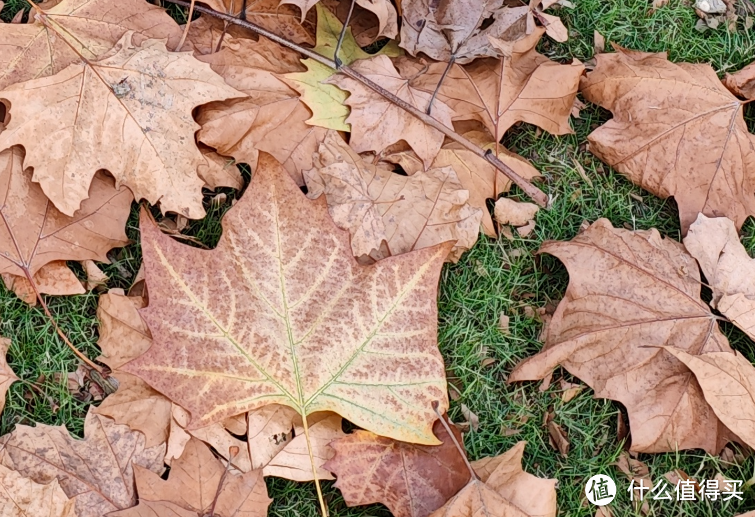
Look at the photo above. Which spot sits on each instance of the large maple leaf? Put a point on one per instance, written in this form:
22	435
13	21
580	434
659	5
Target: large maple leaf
129	113
281	313
627	292
676	131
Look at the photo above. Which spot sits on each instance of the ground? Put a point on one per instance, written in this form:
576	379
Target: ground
495	276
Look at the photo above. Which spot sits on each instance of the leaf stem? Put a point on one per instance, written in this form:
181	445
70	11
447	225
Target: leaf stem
186	27
323	506
345	27
456	442
537	195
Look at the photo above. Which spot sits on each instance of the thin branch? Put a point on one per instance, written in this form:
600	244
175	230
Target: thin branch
537	195
440	83
336	59
186	27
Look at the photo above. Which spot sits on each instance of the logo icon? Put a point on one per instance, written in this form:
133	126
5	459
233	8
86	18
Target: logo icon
600	490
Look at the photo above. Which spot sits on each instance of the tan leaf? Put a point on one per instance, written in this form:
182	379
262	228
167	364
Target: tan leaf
22	497
676	131
742	83
728	383
558	438
95	276
523	86
508	211
219	171
7	376
45	453
378	324
728	268
271	118
625	293
635	470
123	334
194	484
142	120
236	424
73	28
382	9
375	205
268	14
503	323
411	480
376	123
53	278
270	429
217	437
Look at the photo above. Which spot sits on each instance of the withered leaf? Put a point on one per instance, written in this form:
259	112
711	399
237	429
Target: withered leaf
68	30
22	497
676	131
97	472
54	278
34	234
382	9
376	122
508	211
270	429
728	268
411	480
742	83
375	205
7	376
194	483
272	15
366	349
625	293
129	113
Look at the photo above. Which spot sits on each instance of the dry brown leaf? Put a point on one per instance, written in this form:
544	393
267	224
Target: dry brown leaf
727	267
219	171
525	230
45	453
375	205
95	276
742	83
34	234
7	376
625	293
272	15
382	9
508	211
411	480
503	490
676	131
73	28
212	353
531	88
377	123
22	497
558	438
271	118
635	470
194	487
476	174
117	114
270	429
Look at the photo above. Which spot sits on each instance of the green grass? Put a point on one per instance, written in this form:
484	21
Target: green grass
495	276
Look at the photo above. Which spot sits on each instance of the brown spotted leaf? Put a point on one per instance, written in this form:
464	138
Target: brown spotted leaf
54	278
281	313
22	497
676	131
382	9
629	291
411	480
130	113
97	472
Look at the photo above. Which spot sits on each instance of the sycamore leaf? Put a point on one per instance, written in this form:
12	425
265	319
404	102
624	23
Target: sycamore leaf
742	83
375	205
299	322
325	100
383	9
728	268
129	113
7	376
35	238
97	472
627	292
71	29
22	497
268	14
508	211
522	86
376	123
728	383
475	174
195	485
270	118
503	490
411	480
676	131
269	430
219	171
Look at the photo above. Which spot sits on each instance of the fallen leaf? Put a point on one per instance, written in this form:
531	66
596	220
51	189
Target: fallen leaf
523	86
599	41
7	376
558	438
270	429
677	475
211	353
470	417
45	453
659	105
728	268
742	83
142	119
54	278
570	390
272	15
376	205
382	9
22	497
603	511
503	324
71	29
625	293
508	211
525	230
271	118
635	470
198	482
95	276
411	480
219	171
34	234
376	122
